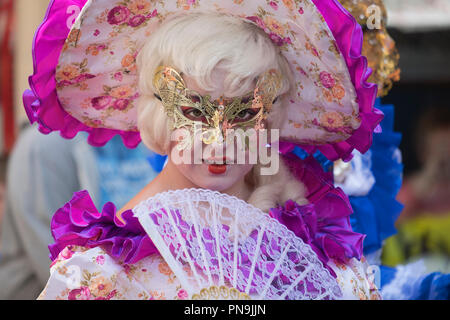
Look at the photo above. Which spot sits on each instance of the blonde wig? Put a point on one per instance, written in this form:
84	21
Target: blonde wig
195	45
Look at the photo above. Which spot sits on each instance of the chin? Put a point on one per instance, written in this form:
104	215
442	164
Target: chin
215	185
216	182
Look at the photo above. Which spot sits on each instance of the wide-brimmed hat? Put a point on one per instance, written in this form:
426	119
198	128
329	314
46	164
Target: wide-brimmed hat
85	76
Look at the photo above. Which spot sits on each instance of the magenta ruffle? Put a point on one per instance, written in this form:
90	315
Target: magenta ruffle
41	102
79	223
324	223
42	105
349	37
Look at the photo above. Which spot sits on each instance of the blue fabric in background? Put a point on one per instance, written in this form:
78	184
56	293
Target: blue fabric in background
376	213
326	164
387	275
415	286
157	161
124	172
435	286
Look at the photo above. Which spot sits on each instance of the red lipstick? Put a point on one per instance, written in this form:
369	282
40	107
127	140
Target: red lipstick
218	168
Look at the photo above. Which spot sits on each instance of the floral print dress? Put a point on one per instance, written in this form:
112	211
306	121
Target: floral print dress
80	273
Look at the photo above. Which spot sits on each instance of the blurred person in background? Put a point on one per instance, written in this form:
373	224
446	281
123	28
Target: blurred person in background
428	191
424	224
3	162
43	172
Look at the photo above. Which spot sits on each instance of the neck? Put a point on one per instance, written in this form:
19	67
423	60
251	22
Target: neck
240	190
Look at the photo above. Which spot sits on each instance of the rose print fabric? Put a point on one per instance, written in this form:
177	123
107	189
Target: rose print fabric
80	273
96	77
356	279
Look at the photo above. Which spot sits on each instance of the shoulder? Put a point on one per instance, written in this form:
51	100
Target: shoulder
80	273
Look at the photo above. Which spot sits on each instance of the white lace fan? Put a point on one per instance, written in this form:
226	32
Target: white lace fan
220	247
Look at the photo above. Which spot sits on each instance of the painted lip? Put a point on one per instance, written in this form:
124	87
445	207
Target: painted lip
217	168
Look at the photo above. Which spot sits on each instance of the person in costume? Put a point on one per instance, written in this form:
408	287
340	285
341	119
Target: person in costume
146	70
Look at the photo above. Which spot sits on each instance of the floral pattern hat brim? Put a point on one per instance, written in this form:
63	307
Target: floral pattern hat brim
85	76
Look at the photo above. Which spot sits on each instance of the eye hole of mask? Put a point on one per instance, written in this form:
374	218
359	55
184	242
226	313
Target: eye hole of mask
193	114
246	115
195	99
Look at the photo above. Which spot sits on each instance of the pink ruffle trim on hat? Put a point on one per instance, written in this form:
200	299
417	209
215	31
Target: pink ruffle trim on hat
349	38
42	104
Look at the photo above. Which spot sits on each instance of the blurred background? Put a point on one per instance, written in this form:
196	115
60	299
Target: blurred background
32	163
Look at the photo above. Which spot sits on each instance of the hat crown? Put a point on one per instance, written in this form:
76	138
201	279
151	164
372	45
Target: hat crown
94	78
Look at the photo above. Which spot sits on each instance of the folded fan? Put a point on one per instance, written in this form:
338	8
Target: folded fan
220	247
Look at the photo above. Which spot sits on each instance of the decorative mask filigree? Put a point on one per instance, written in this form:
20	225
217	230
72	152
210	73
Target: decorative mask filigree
194	112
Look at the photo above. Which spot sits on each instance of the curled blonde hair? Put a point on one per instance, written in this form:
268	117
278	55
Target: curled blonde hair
196	44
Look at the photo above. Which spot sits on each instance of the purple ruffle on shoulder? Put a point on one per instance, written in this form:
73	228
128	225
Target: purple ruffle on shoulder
78	222
324	224
41	102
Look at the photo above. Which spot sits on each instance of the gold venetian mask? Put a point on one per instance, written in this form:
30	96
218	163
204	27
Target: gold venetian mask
212	119
378	46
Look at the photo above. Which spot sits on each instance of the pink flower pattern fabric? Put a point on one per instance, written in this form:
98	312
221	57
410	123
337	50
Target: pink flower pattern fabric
80	273
96	87
97	67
